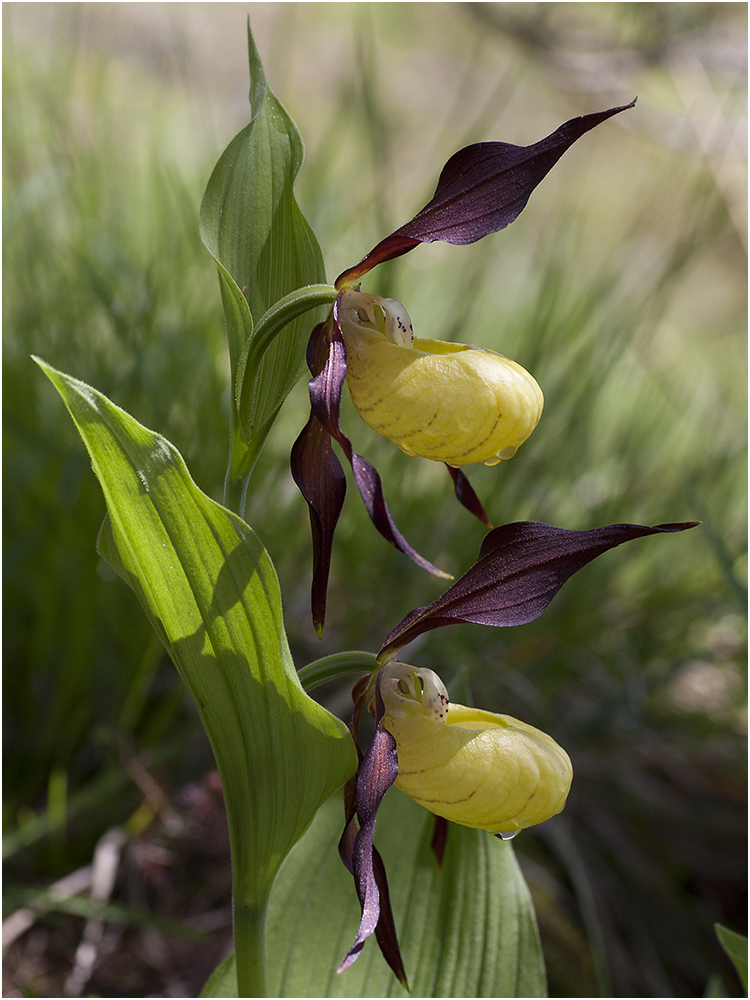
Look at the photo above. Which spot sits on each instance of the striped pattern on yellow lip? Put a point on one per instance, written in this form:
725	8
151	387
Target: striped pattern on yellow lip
447	402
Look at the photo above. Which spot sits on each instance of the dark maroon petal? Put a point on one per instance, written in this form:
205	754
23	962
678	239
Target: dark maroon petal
349	836
346	844
385	932
466	495
385	929
317	471
377	773
318	474
439	837
327	385
520	568
371	490
317	346
481	190
325	397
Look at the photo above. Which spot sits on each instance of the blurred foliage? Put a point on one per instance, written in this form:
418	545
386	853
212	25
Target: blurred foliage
622	288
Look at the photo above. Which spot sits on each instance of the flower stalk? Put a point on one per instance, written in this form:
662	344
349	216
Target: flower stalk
270	325
249	928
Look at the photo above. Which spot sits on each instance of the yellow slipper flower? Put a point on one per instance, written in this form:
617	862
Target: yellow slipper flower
480	769
450	403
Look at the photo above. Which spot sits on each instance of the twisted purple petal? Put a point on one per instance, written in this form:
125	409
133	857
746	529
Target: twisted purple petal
325	398
377	772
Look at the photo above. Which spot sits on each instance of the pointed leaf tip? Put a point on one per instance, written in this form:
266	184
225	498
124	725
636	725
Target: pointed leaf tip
258	85
248	207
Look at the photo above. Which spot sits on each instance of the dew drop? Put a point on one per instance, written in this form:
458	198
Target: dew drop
508	836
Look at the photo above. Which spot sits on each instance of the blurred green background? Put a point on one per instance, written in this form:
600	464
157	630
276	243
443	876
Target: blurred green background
622	287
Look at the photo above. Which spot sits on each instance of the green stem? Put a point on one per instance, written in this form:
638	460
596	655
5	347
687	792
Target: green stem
337	665
250	948
242	459
234	493
273	322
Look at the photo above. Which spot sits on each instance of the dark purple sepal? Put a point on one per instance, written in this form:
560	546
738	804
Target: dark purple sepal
346	844
325	398
348	837
385	931
521	566
482	189
377	772
439	837
465	495
317	472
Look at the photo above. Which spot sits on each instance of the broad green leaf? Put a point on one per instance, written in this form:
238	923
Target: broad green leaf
253	227
210	590
467	930
735	945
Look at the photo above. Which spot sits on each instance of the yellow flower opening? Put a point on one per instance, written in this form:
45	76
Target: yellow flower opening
475	768
450	403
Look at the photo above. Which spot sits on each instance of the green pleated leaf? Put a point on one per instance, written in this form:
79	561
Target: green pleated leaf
211	591
253	227
467	930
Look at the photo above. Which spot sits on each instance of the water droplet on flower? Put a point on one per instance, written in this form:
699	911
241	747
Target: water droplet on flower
508	836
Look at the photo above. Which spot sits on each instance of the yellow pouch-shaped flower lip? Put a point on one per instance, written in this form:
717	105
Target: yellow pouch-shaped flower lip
451	403
476	768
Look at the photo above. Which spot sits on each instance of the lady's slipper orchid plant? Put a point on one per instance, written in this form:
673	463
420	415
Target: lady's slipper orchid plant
468	766
452	403
210	588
